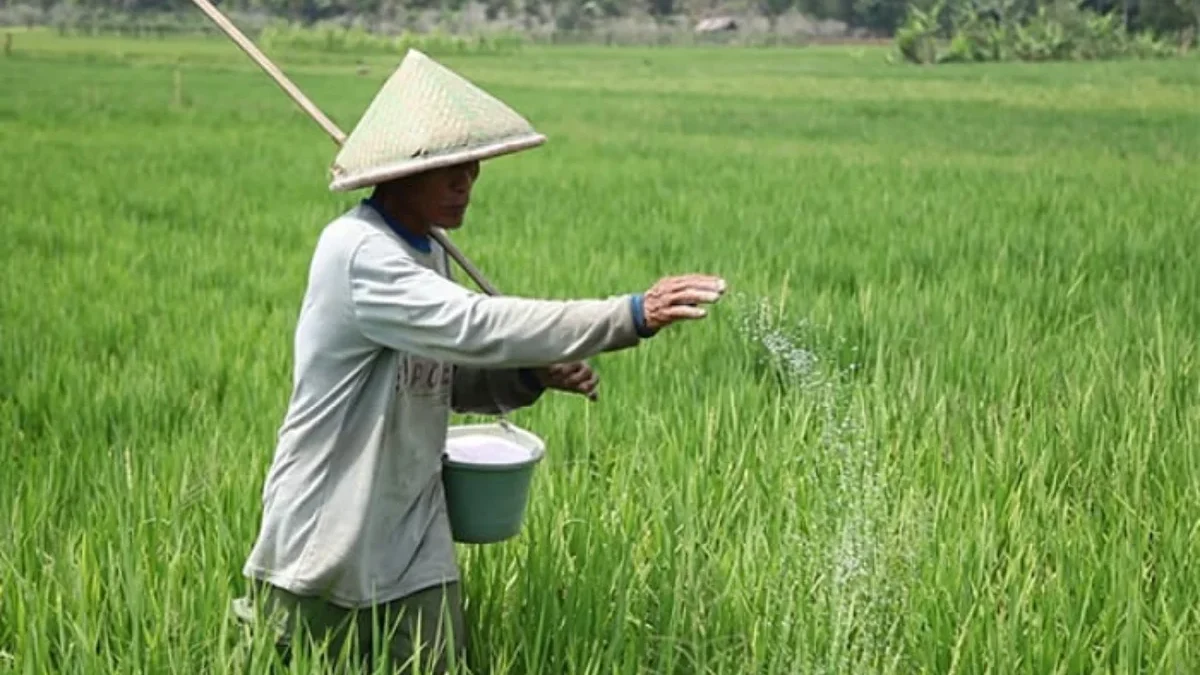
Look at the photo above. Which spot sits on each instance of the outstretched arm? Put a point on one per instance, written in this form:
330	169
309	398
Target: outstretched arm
403	305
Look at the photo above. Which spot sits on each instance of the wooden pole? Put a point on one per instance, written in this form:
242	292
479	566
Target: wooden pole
326	124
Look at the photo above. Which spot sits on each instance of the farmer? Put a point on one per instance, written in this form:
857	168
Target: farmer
354	531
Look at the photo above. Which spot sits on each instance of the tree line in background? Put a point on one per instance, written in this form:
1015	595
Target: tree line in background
953	31
923	31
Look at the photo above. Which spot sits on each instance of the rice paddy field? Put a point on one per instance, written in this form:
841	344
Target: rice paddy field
947	419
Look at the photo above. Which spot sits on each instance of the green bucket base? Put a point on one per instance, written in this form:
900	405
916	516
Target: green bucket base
486	502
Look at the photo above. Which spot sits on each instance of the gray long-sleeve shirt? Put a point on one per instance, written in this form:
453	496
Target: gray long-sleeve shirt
386	345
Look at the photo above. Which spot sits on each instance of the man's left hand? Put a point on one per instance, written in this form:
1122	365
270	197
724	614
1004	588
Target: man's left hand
575	378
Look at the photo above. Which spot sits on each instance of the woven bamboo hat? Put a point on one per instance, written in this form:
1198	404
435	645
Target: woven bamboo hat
426	116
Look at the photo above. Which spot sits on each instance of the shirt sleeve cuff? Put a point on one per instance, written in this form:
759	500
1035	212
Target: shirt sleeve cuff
639	316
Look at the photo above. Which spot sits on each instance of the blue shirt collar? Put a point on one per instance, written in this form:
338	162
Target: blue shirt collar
418	242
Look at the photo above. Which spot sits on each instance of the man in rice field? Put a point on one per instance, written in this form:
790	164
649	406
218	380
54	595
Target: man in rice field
354	533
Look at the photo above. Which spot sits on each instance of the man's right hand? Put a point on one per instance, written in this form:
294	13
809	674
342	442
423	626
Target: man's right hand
678	298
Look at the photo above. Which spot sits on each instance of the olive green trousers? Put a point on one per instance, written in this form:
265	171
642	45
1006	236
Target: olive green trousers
420	634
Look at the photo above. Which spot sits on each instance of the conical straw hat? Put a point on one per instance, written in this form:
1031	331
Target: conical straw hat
427	116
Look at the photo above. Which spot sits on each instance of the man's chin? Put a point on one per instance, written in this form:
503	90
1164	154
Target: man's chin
451	222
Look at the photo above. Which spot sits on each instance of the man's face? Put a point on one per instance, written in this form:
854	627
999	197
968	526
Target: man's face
441	195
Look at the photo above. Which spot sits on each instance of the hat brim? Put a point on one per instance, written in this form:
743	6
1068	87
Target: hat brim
408	167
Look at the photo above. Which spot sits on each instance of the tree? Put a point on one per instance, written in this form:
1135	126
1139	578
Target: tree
660	9
773	9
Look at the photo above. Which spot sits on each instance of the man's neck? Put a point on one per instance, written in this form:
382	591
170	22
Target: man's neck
401	214
402	227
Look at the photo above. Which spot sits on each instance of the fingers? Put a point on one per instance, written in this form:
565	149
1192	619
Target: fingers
698	287
683	312
706	282
692	296
577	377
588	387
574	377
688	290
564	371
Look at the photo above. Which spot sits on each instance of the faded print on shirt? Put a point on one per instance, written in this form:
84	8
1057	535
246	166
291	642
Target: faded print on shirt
423	378
418	377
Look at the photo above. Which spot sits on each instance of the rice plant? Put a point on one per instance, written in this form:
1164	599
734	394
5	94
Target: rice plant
947	421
